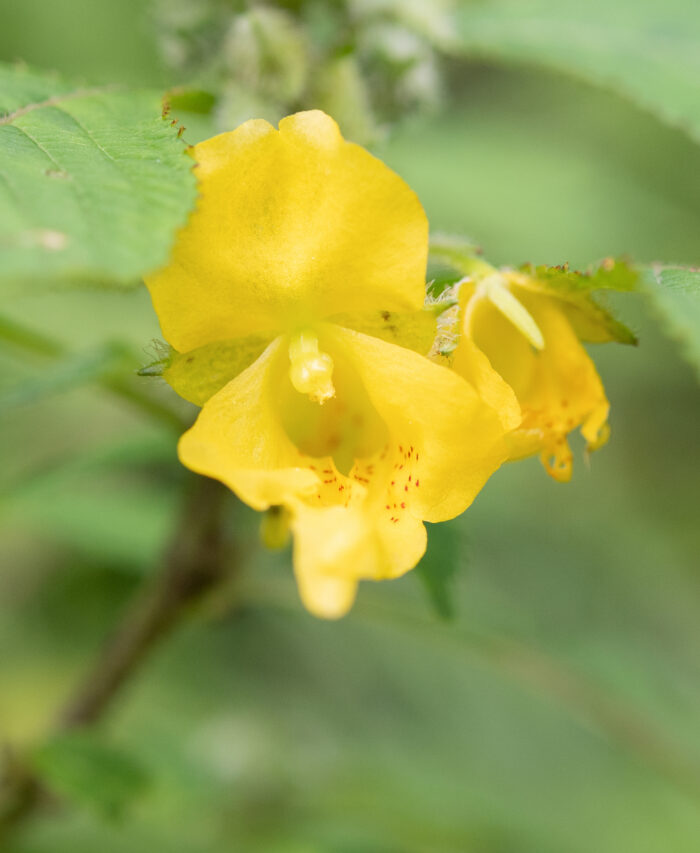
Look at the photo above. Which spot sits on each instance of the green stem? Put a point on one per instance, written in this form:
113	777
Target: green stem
463	258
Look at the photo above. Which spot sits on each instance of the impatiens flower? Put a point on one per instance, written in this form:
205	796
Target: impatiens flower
294	303
526	331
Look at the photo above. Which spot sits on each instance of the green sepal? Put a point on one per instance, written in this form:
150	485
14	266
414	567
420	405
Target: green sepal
591	321
414	330
609	274
198	374
440	278
458	253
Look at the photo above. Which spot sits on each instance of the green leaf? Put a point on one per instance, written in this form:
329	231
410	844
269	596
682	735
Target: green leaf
591	320
438	568
644	50
85	769
93	182
189	100
609	274
675	292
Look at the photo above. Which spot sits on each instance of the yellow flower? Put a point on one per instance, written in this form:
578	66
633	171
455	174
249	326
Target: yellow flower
291	297
526	333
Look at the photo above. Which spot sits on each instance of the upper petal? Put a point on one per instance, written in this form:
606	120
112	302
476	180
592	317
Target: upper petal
291	225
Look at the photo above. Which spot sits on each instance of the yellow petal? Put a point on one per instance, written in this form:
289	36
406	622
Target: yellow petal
402	440
445	440
335	547
557	387
566	391
291	226
471	363
507	349
239	439
271	444
415	330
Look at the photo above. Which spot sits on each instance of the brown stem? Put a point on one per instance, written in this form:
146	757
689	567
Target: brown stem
196	561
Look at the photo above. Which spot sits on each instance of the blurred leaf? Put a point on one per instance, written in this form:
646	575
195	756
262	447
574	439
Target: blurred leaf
85	769
438	568
93	183
111	364
26	339
118	455
645	50
70	372
87	501
675	292
189	100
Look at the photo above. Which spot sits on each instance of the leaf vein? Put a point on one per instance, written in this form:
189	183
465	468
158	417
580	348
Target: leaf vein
53	101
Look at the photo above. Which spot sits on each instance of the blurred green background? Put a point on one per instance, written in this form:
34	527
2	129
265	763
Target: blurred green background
560	709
